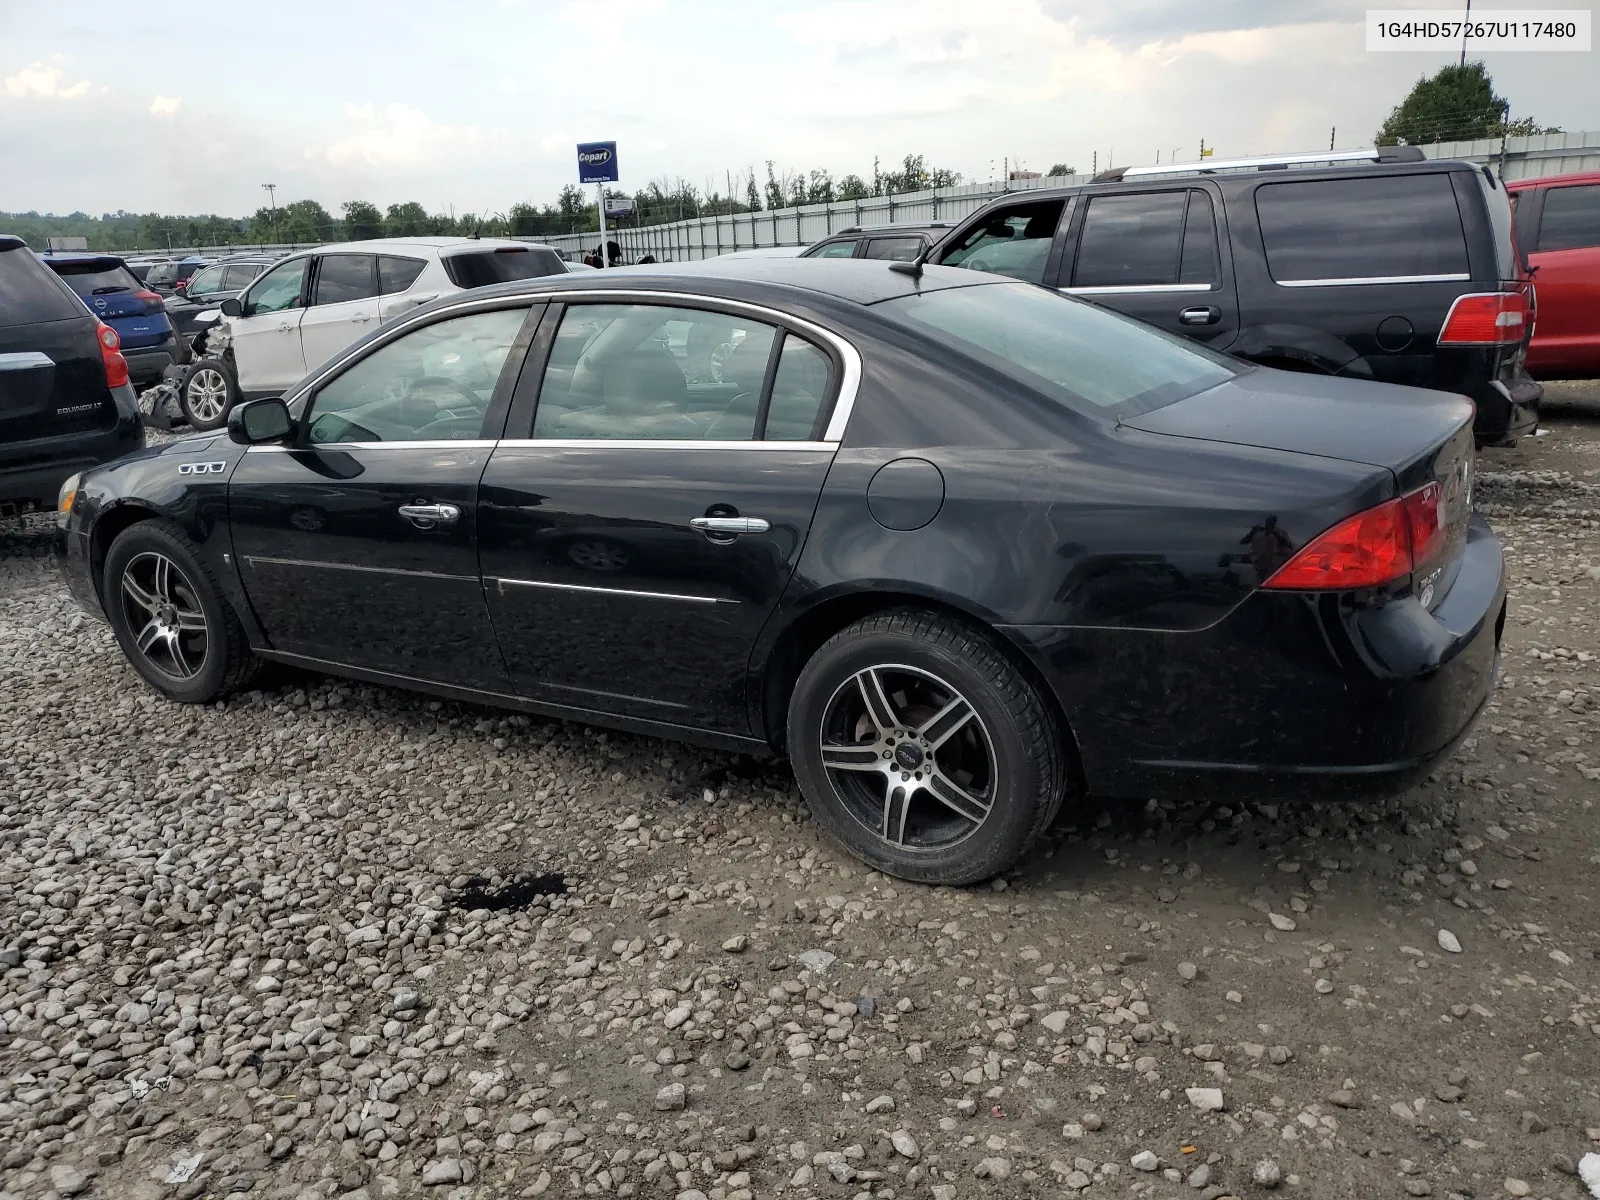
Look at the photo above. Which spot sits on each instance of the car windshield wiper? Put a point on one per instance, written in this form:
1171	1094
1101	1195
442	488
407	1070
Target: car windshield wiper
106	291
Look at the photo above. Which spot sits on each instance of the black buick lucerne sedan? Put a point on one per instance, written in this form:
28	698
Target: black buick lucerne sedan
960	547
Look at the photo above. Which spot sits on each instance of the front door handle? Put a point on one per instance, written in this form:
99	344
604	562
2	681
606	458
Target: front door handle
362	317
286	328
730	526
1205	314
428	516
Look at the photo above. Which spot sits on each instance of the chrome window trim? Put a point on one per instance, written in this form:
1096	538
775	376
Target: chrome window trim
253	559
662	444
501	584
440	444
849	356
1137	289
1453	277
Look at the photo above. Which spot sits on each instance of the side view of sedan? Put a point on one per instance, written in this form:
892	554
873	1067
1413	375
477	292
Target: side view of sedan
961	548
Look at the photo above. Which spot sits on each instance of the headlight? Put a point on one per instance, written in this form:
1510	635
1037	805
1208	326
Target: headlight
66	498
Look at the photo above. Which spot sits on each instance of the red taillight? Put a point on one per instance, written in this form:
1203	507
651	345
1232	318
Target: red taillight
1370	549
1485	319
181	285
147	296
111	355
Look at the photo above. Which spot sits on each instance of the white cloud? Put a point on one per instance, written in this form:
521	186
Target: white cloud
399	136
166	107
44	81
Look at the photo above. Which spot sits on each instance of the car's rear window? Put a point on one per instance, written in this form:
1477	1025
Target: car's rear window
479	268
96	278
28	292
1388	227
1088	358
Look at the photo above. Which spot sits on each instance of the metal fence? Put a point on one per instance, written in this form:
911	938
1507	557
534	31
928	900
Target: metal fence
707	237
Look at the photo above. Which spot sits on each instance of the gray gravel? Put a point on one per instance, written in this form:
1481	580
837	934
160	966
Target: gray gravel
236	957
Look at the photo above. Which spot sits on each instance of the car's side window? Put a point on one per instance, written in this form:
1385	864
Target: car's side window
207	281
396	274
345	277
836	250
1131	240
434	383
897	249
1197	262
1014	240
238	277
277	290
799	392
641	371
1571	218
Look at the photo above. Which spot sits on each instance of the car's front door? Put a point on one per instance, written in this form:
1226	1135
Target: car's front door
1156	255
266	333
357	543
343	308
1566	333
633	547
1022	239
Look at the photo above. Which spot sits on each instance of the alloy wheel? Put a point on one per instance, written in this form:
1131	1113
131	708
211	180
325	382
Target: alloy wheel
909	757
163	610
207	394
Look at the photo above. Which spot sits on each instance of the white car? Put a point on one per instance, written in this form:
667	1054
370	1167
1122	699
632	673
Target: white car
311	305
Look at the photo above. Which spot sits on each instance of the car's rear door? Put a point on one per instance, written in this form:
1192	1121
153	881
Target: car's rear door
357	544
1159	254
52	377
1566	334
343	308
633	546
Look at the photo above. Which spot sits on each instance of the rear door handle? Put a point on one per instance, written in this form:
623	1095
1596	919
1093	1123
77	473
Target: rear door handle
730	525
428	516
286	328
362	317
1205	314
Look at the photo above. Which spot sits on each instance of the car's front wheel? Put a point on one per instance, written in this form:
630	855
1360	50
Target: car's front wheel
923	749
207	392
170	617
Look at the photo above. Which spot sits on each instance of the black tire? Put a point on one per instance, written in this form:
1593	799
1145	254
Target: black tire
207	392
191	648
962	821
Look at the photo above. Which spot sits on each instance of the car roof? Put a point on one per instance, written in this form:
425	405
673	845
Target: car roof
1522	185
858	281
401	244
897	227
83	256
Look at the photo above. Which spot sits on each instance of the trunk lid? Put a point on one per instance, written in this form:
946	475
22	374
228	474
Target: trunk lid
1420	436
52	380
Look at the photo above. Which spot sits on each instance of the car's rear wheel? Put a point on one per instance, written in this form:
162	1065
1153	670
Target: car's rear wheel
207	392
170	617
923	749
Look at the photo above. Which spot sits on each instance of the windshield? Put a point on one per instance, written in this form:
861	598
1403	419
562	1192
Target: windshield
483	267
1088	358
162	273
97	278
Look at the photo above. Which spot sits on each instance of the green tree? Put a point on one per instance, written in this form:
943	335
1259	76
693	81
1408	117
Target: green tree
1063	169
574	210
1455	104
1528	127
407	220
853	187
362	221
305	221
524	221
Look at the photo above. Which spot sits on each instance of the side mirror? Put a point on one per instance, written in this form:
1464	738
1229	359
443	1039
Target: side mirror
232	307
260	422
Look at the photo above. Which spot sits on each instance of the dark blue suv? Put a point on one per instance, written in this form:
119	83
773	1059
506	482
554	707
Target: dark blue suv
111	292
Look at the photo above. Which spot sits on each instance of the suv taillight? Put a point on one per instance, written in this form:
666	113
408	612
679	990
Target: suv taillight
1486	319
111	355
1370	549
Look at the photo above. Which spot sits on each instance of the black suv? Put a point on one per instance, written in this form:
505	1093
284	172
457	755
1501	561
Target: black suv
1367	264
898	243
65	400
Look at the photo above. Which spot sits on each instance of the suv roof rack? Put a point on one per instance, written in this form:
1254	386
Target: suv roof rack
1274	162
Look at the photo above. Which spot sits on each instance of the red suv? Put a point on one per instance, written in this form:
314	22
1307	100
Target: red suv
1558	225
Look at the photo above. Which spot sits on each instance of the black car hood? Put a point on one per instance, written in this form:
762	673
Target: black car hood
1376	423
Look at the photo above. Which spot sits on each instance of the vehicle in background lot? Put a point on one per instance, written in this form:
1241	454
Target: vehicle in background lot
309	306
209	287
172	277
112	293
141	267
1368	264
960	547
65	400
898	243
1558	228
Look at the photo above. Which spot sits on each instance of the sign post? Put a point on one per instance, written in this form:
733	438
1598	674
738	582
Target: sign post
597	164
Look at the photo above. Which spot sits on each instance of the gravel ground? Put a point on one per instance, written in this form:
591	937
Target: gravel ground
333	940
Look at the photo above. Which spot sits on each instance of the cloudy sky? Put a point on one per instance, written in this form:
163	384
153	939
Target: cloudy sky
478	103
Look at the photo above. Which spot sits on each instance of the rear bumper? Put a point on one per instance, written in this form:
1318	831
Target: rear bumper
1506	411
1289	696
31	473
146	363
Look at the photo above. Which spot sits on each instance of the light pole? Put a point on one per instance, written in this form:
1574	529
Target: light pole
272	199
